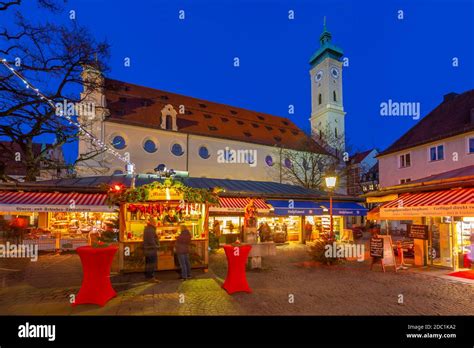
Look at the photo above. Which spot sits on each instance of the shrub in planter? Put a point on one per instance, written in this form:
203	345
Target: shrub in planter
319	251
213	242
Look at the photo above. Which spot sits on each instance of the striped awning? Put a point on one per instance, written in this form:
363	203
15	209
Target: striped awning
458	202
53	202
231	204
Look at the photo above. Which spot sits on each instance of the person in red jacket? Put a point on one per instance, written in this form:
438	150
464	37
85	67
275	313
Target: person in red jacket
182	252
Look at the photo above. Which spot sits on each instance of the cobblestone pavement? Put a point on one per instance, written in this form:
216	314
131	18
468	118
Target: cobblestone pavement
285	286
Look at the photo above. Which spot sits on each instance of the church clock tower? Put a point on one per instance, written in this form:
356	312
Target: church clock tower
327	112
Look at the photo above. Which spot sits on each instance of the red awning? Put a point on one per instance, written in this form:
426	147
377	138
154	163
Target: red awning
461	196
53	202
230	204
459	202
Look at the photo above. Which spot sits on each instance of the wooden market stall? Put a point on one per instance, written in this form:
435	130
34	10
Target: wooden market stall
171	205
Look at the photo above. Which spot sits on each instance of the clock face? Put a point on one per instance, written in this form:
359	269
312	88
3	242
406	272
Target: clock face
334	72
318	76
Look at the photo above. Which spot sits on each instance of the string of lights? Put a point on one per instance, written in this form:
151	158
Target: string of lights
71	121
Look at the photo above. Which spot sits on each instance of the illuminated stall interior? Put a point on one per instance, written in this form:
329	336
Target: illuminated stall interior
57	221
169	214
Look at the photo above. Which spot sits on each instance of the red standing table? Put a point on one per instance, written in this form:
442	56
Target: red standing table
96	287
236	279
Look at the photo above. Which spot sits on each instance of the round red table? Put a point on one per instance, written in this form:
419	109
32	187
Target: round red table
236	279
96	287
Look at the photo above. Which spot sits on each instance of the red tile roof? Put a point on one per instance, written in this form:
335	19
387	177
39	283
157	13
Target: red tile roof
141	106
451	117
359	156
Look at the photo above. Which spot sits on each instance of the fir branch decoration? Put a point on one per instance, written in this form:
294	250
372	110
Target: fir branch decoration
140	194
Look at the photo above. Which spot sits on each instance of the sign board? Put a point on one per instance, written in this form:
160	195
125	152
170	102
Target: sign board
387	198
388	255
381	250
164	195
376	247
418	231
423	211
40	208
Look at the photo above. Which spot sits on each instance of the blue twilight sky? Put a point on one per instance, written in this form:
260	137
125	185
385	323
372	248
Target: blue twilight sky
407	60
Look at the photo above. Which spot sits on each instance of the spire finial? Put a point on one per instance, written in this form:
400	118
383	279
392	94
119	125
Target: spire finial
324	23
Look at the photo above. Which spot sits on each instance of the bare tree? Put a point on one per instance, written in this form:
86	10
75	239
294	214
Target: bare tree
309	165
51	57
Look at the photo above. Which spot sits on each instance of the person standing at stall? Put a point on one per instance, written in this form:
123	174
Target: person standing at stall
308	230
151	244
182	251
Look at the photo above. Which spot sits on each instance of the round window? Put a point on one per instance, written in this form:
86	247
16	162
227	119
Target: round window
228	156
177	150
161	167
119	142
287	163
150	146
269	161
204	152
249	158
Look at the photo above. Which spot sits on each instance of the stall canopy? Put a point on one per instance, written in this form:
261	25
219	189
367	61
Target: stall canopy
237	205
344	208
292	207
456	202
53	202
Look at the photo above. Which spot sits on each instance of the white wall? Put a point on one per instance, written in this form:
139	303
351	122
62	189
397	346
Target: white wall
190	161
455	156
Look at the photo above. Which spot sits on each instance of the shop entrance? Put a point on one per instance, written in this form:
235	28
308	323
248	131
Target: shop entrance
440	243
451	242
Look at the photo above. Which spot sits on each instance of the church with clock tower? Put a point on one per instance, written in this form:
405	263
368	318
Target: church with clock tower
327	110
159	129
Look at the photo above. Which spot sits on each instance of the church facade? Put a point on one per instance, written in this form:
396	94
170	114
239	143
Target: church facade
159	129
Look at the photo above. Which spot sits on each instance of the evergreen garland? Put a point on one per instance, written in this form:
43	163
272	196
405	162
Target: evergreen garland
140	194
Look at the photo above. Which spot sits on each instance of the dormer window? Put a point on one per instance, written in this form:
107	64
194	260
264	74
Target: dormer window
169	122
168	118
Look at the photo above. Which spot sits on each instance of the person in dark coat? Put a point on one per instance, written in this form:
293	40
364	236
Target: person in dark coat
182	252
151	244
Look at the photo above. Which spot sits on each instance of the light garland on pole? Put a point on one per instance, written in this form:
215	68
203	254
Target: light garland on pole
94	140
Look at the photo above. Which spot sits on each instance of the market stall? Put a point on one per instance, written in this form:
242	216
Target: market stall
57	221
171	205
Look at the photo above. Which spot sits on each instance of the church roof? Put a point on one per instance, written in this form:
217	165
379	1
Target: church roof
141	106
455	115
327	49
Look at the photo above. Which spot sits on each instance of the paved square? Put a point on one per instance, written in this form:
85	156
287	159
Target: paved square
283	287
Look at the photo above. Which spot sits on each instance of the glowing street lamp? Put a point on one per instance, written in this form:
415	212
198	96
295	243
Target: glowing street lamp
331	181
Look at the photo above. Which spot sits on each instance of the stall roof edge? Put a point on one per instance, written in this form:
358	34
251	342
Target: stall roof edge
232	187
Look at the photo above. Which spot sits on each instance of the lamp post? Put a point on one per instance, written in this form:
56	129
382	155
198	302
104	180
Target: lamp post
330	184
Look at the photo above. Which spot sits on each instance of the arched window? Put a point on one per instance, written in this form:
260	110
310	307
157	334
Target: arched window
334	95
335	132
169	122
320	99
320	134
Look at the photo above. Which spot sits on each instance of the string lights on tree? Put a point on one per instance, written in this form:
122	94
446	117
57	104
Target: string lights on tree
130	166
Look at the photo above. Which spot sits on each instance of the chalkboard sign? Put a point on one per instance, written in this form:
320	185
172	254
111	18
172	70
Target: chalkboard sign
376	247
418	231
